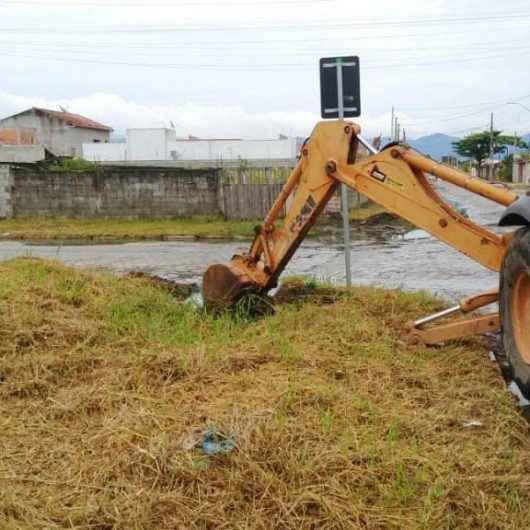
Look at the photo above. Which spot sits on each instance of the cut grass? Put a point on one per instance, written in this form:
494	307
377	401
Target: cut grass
337	424
81	229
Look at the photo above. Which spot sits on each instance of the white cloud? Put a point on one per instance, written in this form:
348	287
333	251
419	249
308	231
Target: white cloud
229	121
190	118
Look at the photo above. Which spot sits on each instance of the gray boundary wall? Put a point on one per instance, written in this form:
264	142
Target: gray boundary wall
5	192
111	192
144	192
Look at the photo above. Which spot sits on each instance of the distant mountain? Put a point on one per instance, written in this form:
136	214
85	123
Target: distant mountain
435	145
438	145
526	138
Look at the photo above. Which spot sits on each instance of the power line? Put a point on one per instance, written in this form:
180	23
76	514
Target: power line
494	102
251	66
286	27
270	52
469	129
218	42
24	3
460	116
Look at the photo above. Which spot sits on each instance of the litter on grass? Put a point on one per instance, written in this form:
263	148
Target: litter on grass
210	441
214	442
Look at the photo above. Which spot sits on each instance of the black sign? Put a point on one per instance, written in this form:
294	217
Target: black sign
340	86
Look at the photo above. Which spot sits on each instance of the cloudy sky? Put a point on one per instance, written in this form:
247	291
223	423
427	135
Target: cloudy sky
249	68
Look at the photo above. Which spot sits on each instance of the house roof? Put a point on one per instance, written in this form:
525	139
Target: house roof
74	120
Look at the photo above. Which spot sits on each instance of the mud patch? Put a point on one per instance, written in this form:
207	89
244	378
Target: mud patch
177	289
302	290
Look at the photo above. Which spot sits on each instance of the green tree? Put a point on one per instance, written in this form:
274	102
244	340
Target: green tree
506	169
477	145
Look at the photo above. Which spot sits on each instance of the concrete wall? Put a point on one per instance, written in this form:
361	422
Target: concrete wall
232	149
111	152
161	145
55	135
22	153
114	192
5	192
521	170
149	144
197	164
121	192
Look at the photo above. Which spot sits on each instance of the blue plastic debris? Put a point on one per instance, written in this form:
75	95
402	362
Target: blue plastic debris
214	442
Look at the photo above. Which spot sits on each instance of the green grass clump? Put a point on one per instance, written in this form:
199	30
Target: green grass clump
72	164
337	424
63	229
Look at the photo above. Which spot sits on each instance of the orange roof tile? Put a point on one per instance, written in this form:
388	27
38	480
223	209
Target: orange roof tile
75	120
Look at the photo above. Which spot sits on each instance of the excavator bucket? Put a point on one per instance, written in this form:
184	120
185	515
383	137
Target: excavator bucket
224	284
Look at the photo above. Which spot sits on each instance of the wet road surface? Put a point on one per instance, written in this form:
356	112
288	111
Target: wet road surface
412	261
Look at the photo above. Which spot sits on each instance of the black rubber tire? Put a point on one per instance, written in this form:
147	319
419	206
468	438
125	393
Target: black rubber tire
516	261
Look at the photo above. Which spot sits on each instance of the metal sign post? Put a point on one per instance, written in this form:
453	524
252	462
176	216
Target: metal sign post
335	90
343	189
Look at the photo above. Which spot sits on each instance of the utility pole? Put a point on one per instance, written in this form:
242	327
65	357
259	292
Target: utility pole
392	126
491	144
491	136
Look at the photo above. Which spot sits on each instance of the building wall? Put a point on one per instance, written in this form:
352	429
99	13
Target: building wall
161	145
20	136
521	171
22	153
149	144
232	149
115	192
76	137
111	152
200	164
55	135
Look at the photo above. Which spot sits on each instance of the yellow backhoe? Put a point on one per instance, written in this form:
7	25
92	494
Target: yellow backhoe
395	178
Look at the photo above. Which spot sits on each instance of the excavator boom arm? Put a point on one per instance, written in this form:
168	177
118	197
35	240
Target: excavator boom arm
394	178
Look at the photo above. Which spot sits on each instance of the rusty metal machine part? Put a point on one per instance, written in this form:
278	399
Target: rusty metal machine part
396	179
417	333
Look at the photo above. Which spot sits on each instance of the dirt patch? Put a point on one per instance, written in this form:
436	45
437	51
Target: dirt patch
303	290
177	289
383	219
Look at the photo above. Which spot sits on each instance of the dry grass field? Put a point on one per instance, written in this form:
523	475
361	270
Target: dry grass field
336	423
